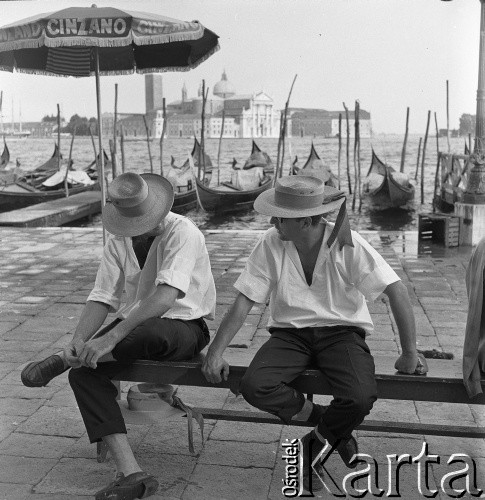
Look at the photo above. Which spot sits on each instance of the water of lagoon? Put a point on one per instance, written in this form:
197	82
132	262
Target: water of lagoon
31	152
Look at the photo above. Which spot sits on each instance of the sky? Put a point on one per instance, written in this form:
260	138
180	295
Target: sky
387	54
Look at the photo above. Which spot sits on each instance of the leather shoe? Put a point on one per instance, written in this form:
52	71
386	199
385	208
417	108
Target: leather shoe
312	473
347	449
136	485
40	373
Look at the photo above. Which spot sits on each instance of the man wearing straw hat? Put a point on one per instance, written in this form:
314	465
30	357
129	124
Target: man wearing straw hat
317	277
161	262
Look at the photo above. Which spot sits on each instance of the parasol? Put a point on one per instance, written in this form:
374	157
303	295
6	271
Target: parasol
86	41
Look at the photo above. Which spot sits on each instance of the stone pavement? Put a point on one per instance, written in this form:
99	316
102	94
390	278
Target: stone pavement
44	453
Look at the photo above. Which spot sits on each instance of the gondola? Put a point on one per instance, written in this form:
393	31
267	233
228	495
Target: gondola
259	158
183	181
315	167
229	196
38	185
5	158
385	188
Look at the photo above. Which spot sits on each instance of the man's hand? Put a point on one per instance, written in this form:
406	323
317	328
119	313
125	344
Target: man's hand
94	349
412	364
215	368
71	352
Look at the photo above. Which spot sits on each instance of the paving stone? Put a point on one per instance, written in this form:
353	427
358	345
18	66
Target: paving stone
21	392
16	356
9	424
12	491
238	454
237	484
439	413
209	398
173	472
394	411
170	437
24	470
31	445
6	368
75	476
54	421
16	406
246	432
18	345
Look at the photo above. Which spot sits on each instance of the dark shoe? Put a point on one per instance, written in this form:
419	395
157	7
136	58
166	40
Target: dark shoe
311	447
347	449
136	485
40	373
317	414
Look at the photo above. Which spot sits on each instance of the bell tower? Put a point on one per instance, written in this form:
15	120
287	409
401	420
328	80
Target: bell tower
153	92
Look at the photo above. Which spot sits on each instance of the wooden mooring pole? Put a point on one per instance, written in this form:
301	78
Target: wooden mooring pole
164	128
147	130
403	152
339	146
423	161
417	161
348	147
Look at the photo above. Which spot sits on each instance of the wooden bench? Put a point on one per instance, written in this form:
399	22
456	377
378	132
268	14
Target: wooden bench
443	384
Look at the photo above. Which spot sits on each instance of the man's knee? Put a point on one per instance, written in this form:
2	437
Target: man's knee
252	390
360	403
76	376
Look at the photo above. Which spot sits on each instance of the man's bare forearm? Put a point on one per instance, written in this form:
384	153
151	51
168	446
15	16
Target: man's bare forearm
403	313
154	306
230	324
91	320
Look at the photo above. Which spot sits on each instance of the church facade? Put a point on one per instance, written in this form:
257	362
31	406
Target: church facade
242	116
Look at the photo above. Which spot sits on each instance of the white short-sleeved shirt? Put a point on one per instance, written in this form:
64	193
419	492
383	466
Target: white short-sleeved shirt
178	257
342	281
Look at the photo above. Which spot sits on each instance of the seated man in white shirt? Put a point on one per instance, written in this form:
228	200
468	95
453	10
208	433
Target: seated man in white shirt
317	277
160	260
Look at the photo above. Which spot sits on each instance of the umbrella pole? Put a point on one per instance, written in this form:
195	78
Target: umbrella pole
100	136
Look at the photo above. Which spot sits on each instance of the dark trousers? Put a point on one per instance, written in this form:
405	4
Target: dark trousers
158	339
342	355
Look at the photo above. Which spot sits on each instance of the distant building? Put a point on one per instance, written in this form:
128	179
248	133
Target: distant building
251	115
320	122
153	92
30	129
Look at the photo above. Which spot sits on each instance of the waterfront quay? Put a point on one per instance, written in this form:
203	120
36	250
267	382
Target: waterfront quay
46	275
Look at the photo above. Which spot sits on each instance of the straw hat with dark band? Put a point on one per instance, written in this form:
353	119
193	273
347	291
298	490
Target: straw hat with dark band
302	196
136	203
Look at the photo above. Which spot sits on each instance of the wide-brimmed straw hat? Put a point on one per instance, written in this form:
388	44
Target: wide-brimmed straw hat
302	196
298	196
137	203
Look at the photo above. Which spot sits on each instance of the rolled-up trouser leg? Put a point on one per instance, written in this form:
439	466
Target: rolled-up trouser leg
96	398
279	361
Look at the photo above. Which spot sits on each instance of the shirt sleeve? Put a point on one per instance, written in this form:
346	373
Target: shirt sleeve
110	278
177	256
258	278
367	270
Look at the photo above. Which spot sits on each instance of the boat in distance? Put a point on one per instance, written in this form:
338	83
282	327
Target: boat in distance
183	180
385	188
44	183
246	185
315	167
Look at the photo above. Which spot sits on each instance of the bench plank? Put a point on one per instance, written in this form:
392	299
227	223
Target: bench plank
441	384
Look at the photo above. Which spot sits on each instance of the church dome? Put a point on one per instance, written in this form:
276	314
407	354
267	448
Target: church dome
224	88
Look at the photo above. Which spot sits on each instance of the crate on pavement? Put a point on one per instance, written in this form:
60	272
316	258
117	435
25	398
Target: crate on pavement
439	228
